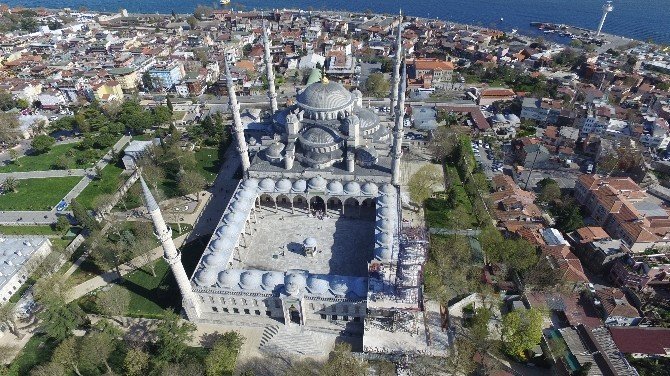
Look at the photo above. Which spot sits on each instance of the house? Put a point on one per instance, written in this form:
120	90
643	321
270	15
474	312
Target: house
543	110
166	74
126	77
596	249
639	342
108	91
488	96
615	307
513	203
437	73
638	275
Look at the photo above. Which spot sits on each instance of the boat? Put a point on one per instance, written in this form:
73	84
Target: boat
224	2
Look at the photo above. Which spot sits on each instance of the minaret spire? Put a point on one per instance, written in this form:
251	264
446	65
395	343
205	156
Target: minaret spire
237	121
270	72
396	68
398	131
171	254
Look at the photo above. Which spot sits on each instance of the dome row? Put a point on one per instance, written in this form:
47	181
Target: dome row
314	184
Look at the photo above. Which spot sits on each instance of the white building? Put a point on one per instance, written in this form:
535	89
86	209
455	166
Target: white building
601	121
656	133
19	256
544	110
311	60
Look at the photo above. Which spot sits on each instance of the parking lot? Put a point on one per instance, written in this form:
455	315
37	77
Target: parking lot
484	156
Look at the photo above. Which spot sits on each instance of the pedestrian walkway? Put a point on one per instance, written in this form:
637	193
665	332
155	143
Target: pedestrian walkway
42	174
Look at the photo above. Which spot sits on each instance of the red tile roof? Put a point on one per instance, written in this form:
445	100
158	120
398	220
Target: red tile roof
650	341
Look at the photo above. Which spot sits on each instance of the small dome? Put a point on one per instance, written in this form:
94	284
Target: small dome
206	277
369	120
309	242
369	189
250	183
384	239
317	285
335	187
384	200
229	219
272	279
246	193
250	279
299	186
240	205
383	253
215	258
317	183
384	212
388	189
275	150
267	185
339	286
294	282
500	118
228	278
284	185
352	188
222	244
385	225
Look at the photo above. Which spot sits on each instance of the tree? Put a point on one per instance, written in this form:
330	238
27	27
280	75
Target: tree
58	319
113	302
136	362
223	355
42	143
8	319
549	190
61	224
7	102
423	183
172	335
14	157
9	128
192	21
162	115
83	217
567	214
377	84
95	348
168	104
521	331
341	362
48	369
461	359
191	182
66	354
10	185
479	326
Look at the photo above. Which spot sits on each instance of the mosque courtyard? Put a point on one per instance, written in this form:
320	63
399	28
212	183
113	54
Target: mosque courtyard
344	244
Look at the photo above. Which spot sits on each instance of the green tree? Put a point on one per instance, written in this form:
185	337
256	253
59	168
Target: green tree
168	104
95	348
191	182
341	362
192	22
377	84
14	157
172	336
83	217
7	102
61	224
42	143
479	326
521	331
8	319
223	355
66	355
162	115
423	183
113	303
10	185
136	362
9	128
549	190
48	369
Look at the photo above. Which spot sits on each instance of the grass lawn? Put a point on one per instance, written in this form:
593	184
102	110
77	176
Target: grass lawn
38	194
208	163
149	295
108	184
43	162
30	230
38	350
438	211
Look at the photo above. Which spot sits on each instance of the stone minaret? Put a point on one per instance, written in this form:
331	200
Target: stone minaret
171	254
398	131
270	72
237	121
396	68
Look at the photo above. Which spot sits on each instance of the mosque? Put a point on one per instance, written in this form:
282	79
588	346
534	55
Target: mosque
313	235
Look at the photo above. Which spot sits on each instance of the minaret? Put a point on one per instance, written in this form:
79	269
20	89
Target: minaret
171	254
398	131
396	68
237	122
270	72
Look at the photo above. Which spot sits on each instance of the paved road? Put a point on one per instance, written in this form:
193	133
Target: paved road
42	174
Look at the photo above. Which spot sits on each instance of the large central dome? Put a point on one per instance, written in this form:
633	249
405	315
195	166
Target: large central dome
328	96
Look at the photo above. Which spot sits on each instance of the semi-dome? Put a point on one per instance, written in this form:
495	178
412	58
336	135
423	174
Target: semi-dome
215	258
317	136
299	185
283	186
317	285
335	187
250	183
339	286
369	189
267	185
272	279
294	282
228	278
352	120
317	183
275	150
206	277
352	188
325	97
250	279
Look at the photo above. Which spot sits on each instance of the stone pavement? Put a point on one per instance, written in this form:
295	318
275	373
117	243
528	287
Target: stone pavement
42	174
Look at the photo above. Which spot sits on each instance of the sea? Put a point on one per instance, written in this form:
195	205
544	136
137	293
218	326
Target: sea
645	20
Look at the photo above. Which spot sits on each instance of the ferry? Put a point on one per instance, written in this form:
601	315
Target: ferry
224	2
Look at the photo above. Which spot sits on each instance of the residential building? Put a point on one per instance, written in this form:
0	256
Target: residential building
166	75
639	342
434	73
543	110
615	307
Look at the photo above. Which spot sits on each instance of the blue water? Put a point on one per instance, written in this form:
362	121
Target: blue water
638	19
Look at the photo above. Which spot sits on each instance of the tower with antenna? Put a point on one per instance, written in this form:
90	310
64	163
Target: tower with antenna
608	7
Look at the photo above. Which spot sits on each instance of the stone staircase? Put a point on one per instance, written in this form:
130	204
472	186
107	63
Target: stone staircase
288	339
